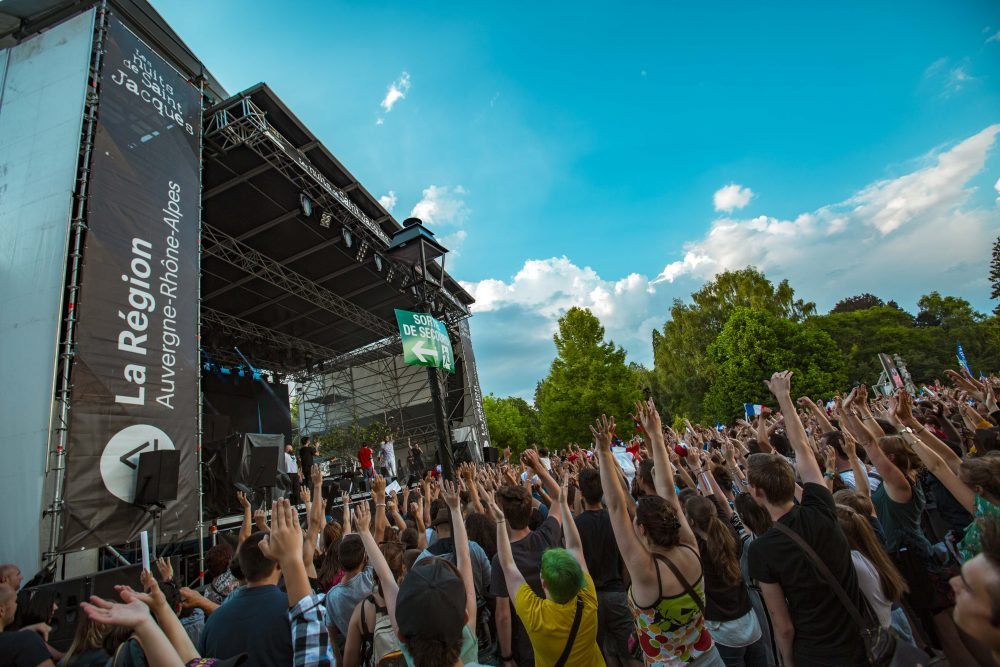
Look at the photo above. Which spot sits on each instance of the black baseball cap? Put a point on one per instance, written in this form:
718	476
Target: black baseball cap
431	602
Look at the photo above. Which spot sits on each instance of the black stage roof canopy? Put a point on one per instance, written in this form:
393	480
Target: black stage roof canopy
291	290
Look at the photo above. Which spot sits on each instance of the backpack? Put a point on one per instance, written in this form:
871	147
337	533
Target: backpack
485	625
379	646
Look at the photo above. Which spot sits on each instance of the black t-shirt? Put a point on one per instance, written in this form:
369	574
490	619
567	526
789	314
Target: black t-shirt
253	621
824	631
723	601
22	648
600	550
306	455
527	553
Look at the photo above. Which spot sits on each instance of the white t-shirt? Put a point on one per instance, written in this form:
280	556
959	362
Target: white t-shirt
291	466
389	451
871	585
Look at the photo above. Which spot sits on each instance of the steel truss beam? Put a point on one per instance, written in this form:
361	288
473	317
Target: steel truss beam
219	244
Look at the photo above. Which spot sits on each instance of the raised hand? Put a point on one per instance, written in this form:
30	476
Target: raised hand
305	495
904	408
242	497
849	446
603	431
780	384
451	496
362	518
495	510
284	543
530	459
260	518
316	475
647	415
165	568
378	487
130	615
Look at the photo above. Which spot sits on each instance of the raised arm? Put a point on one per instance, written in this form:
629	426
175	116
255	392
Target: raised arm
861	483
510	572
818	412
390	589
463	554
904	412
780	385
896	484
573	543
530	459
246	529
378	496
763	441
634	552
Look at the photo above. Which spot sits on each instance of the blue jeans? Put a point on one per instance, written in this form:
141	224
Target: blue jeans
753	655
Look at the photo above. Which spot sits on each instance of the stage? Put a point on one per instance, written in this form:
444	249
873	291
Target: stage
192	263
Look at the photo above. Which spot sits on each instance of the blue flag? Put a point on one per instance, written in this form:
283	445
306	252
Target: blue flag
962	360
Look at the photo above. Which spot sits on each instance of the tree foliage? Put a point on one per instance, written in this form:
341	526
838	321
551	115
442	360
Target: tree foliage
755	343
588	377
512	422
859	302
682	367
345	441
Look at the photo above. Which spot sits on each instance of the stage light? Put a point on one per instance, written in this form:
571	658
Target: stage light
242	372
256	375
225	370
325	219
207	365
378	262
348	238
306	204
362	251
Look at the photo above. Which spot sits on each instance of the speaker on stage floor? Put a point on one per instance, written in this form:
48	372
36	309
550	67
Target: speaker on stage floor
156	478
491	454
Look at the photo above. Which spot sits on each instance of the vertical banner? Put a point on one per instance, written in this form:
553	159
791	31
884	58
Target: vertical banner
136	364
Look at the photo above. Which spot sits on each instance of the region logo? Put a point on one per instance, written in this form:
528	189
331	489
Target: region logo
120	459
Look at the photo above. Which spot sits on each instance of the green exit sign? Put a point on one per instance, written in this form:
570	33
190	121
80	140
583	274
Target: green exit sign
425	341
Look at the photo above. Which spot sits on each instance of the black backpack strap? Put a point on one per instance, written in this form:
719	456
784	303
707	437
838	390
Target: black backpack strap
561	662
688	588
835	586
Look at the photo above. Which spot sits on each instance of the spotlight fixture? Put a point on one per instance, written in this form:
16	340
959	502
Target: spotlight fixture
378	262
306	204
362	251
325	218
348	238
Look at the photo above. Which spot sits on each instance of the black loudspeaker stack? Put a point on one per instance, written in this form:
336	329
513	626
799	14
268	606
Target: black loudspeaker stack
491	454
156	478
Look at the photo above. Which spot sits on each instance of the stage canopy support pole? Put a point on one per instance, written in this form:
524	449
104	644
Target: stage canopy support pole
78	229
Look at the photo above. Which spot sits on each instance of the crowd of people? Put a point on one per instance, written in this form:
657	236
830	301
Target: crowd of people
860	531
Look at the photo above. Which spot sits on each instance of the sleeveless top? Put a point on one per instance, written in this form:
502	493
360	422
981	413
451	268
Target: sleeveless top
672	631
901	521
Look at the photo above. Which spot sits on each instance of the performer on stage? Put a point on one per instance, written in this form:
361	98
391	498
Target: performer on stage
366	459
292	469
307	452
416	460
389	457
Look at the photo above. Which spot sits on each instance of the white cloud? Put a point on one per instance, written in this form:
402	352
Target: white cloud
441	206
952	78
397	90
380	121
918	217
731	197
388	200
898	238
995	37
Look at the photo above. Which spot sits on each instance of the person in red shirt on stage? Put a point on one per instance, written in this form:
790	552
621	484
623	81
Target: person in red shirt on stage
365	458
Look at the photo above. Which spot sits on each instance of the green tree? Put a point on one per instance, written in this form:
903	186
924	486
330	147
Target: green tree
946	311
755	343
682	367
859	302
588	377
512	422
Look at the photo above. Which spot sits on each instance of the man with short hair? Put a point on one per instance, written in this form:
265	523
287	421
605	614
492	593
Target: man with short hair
977	590
388	451
811	626
444	546
254	619
10	574
527	547
600	550
357	584
365	459
307	453
18	648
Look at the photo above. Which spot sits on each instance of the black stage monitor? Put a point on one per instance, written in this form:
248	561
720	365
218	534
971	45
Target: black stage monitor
263	467
156	479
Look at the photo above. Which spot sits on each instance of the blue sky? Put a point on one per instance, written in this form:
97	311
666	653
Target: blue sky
617	159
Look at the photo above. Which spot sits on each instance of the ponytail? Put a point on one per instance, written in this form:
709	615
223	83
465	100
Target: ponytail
719	539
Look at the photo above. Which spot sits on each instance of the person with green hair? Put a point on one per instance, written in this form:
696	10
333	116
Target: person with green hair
562	626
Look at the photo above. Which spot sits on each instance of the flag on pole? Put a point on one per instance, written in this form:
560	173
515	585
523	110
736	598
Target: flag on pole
752	410
961	358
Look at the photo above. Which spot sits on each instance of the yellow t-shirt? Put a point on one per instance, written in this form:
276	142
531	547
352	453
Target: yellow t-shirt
548	625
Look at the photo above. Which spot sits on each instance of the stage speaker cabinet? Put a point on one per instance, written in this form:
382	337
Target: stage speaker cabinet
156	479
263	467
491	454
460	452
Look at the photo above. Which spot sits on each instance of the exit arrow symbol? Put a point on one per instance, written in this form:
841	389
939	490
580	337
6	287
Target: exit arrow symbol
124	458
420	351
